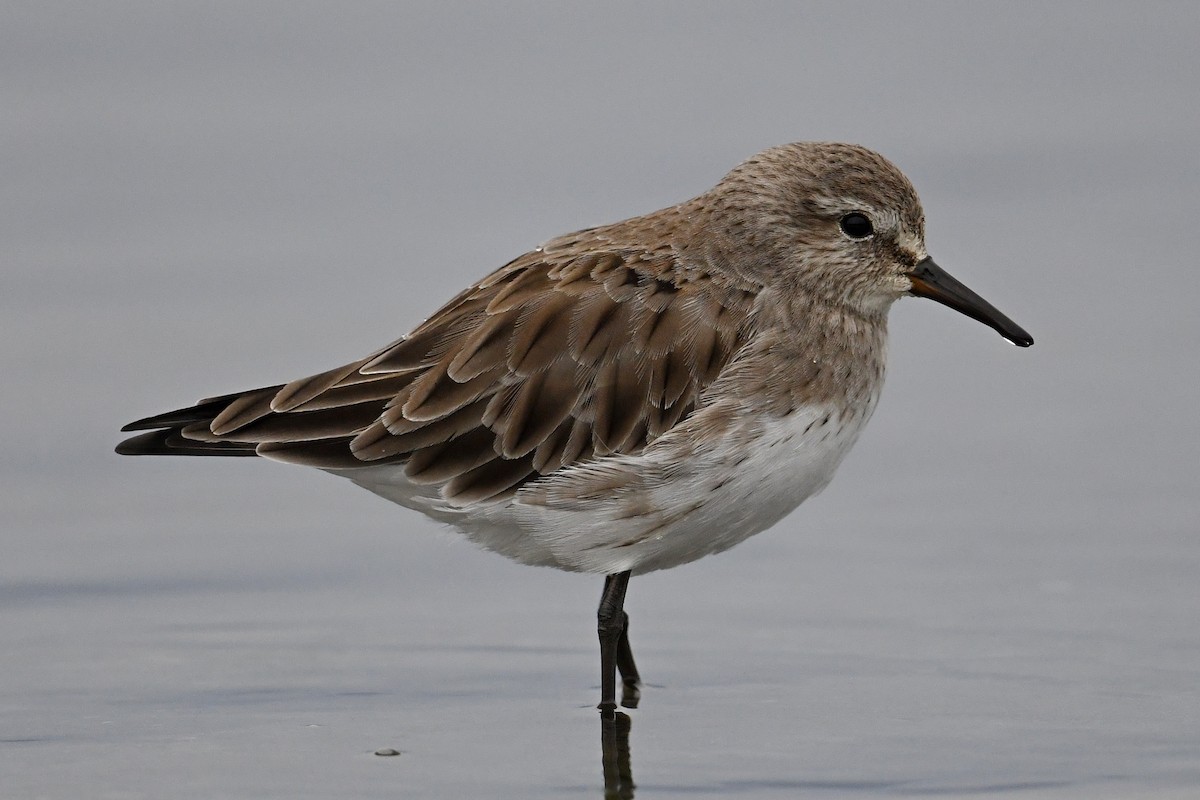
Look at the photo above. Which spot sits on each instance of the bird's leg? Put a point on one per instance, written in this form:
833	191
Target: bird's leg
610	624
630	681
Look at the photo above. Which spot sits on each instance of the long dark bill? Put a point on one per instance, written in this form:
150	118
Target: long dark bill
930	280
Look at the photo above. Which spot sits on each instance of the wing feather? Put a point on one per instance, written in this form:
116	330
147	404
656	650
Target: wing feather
559	357
299	392
538	407
243	410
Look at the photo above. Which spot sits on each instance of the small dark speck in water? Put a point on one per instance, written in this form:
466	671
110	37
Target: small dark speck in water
387	751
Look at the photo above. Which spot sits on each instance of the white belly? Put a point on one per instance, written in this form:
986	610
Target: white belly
681	498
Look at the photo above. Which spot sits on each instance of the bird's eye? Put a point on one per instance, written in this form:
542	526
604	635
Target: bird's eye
857	225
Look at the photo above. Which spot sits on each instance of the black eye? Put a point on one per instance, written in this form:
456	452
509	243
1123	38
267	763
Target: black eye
857	226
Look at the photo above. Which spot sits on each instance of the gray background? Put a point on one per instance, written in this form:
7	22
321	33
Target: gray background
997	595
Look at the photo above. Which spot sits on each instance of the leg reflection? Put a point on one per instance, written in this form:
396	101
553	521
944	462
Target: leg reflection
614	740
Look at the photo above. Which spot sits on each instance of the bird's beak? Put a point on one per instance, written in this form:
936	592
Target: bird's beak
930	280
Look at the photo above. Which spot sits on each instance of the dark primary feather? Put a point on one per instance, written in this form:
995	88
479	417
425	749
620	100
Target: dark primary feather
169	442
554	358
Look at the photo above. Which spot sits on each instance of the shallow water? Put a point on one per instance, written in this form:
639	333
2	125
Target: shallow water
274	662
996	596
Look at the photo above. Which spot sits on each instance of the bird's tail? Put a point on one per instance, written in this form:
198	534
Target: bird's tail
164	432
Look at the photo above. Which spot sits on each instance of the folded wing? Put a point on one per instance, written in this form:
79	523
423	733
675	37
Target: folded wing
549	361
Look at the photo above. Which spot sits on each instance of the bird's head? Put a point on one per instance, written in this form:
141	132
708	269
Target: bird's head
838	224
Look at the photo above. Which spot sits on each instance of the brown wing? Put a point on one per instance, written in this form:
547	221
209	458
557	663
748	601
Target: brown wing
548	361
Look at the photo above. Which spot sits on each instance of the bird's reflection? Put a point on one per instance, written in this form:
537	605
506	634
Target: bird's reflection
614	740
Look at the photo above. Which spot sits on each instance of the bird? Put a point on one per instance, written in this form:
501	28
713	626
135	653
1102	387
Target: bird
628	397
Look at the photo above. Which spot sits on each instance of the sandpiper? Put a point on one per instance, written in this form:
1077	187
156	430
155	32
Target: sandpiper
629	397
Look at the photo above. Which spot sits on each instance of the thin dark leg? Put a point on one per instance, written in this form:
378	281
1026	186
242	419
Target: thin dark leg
630	681
610	623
